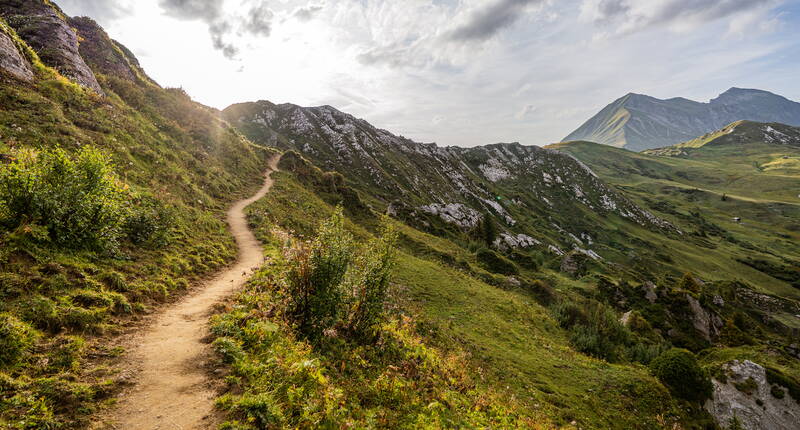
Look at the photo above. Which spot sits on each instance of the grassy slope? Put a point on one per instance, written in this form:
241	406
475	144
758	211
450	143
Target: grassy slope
676	187
164	145
511	339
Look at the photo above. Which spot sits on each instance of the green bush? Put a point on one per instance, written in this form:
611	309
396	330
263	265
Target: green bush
331	285
149	222
314	278
369	282
78	200
603	336
496	263
16	338
679	371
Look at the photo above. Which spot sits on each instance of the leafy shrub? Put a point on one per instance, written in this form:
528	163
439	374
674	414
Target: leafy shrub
149	223
369	283
689	283
315	275
603	336
541	291
679	371
496	263
16	338
78	201
329	284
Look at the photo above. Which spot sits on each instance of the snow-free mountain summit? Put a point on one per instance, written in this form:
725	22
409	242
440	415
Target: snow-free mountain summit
638	122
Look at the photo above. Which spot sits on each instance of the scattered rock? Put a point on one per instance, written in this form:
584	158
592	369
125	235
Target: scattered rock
650	291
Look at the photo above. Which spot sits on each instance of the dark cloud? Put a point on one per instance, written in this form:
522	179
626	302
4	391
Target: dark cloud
222	26
305	14
219	31
259	21
638	14
488	21
205	10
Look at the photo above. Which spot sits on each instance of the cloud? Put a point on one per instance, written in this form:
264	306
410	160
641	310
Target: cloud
224	28
102	11
307	13
205	10
487	21
629	16
525	112
258	21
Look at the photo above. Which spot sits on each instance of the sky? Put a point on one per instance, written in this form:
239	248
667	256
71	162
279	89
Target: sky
458	72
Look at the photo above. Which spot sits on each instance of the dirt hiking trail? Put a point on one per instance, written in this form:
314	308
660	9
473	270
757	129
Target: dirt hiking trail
171	389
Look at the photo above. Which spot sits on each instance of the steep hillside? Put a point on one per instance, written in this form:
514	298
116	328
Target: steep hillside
112	198
541	198
639	122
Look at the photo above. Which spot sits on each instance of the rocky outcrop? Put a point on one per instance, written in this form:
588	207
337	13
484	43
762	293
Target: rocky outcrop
44	27
705	322
507	241
103	54
12	61
745	393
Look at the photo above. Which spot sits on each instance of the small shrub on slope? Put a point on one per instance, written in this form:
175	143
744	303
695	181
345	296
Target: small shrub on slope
369	283
679	371
314	293
78	200
16	338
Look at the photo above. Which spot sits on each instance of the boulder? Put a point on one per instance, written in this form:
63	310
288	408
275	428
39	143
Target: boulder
705	322
650	291
756	407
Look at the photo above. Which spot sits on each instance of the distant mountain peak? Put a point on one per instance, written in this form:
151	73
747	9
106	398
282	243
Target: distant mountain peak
639	122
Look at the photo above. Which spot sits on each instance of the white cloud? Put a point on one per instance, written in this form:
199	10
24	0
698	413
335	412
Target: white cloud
397	65
628	16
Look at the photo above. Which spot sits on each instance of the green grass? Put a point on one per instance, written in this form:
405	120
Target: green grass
509	339
163	146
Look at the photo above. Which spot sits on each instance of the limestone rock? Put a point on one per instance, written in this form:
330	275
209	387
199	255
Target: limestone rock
103	54
727	401
705	322
12	61
44	27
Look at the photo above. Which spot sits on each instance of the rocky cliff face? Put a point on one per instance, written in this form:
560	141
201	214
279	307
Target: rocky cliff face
638	122
12	61
44	27
104	54
528	189
746	394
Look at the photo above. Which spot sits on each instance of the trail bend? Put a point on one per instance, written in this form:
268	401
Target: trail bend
171	389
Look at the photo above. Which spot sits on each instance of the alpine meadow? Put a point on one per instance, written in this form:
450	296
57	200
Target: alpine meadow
199	257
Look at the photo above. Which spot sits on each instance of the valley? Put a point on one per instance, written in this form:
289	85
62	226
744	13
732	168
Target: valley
152	276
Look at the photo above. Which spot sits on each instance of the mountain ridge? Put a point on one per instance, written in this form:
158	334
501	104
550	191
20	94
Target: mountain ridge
639	122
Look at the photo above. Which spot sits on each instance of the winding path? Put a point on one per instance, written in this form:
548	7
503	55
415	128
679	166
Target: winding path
172	390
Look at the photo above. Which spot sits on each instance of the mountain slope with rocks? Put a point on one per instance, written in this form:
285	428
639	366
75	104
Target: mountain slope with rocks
527	189
638	122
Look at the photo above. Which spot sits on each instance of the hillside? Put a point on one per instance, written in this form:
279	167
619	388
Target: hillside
534	194
105	213
377	282
639	122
